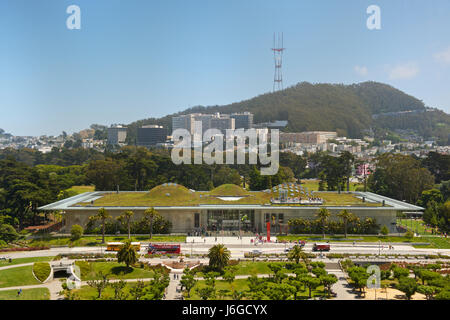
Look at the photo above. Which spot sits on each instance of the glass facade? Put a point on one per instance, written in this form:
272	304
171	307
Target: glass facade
231	220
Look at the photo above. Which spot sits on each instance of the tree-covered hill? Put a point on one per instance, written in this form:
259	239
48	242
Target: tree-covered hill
347	109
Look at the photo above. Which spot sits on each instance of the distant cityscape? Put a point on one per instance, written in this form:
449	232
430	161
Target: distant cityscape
157	136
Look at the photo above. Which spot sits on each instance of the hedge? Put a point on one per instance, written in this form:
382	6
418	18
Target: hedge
41	270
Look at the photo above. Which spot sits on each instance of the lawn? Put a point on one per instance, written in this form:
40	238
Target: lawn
20	276
24	260
435	243
27	294
349	238
418	226
257	267
89	293
95	240
114	270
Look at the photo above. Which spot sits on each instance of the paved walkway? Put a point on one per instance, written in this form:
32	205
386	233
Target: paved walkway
171	291
342	289
16	266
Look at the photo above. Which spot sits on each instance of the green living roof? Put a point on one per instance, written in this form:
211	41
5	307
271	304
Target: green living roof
176	195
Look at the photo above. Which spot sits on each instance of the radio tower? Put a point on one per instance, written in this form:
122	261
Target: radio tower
278	59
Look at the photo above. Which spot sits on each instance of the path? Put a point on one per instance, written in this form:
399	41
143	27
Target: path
342	289
16	266
171	291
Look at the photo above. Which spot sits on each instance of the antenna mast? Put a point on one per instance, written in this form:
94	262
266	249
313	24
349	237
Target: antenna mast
278	60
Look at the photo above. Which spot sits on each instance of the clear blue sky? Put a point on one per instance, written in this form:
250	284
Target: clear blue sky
136	59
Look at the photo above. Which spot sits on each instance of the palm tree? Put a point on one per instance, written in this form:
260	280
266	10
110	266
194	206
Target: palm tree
323	214
346	218
127	254
126	216
218	257
101	215
149	215
296	254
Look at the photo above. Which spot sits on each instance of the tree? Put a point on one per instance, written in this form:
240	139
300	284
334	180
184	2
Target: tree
427	291
409	235
311	283
408	286
126	216
99	285
188	281
127	254
428	276
150	215
279	291
137	291
155	289
296	253
206	293
118	287
8	233
101	215
218	257
229	275
323	214
328	281
400	273
359	277
346	217
384	231
76	232
430	195
400	177
443	295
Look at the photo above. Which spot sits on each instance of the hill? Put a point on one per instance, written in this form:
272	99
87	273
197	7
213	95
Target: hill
347	109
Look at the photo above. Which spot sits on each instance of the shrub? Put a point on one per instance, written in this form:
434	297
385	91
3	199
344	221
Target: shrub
408	286
384	231
409	235
41	270
76	232
8	233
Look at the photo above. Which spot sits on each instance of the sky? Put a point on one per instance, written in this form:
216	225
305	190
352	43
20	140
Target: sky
138	59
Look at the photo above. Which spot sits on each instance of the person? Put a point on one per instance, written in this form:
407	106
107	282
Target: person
19	292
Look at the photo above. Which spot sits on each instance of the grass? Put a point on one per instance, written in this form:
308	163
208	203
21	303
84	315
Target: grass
114	270
89	293
24	260
313	185
42	270
242	285
434	242
20	276
81	189
253	268
418	226
179	195
27	294
95	240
